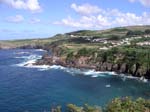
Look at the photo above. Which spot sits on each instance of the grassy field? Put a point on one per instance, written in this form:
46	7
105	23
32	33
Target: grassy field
108	33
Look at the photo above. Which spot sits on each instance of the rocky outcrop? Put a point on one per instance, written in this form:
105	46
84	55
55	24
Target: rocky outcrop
90	62
85	62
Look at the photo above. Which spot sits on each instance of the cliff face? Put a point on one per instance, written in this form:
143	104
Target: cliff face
119	61
87	62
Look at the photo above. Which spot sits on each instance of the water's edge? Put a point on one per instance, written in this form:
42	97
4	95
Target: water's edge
32	59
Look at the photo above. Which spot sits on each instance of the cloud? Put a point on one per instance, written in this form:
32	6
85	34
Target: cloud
143	2
15	19
106	19
132	1
31	5
85	22
75	23
35	20
6	30
85	9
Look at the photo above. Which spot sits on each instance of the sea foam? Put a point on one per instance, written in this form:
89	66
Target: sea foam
18	53
108	86
30	60
40	50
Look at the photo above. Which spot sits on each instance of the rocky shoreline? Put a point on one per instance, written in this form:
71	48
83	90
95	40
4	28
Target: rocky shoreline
85	63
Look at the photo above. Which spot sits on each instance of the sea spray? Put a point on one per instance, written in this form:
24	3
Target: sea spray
29	62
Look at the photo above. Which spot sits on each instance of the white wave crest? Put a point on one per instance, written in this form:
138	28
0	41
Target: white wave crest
21	53
141	79
31	57
47	67
30	60
40	50
57	67
108	86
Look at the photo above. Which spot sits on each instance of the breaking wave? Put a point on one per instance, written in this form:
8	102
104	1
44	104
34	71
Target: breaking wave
18	53
30	60
40	50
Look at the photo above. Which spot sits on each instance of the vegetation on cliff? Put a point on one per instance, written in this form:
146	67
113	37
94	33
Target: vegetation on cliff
116	50
116	105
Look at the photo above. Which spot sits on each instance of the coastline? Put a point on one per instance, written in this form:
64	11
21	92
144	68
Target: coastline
84	71
82	63
85	63
50	63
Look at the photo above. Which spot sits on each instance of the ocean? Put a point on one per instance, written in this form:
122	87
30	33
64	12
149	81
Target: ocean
38	88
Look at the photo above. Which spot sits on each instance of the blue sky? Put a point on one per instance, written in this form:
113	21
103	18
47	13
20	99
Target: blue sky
44	18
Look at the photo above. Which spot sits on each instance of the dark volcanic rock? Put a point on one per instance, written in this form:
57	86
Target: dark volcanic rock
115	67
84	62
123	68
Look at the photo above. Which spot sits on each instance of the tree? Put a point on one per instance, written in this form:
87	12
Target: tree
104	57
83	52
114	37
133	33
130	33
128	105
147	31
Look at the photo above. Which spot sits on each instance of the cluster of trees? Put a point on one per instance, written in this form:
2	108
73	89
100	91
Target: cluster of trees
79	40
108	55
147	31
132	33
85	52
117	55
114	37
117	105
128	105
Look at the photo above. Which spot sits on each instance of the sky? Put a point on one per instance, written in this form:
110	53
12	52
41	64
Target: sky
20	19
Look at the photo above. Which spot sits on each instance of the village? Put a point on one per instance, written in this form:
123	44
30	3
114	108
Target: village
110	43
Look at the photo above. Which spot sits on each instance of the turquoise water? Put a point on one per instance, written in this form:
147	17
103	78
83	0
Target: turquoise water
36	89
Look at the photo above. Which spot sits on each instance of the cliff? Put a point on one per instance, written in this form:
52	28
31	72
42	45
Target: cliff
112	60
85	62
115	50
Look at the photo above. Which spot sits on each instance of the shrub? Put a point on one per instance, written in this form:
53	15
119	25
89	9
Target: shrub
114	37
128	105
85	52
85	108
74	108
116	105
70	55
133	33
147	31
